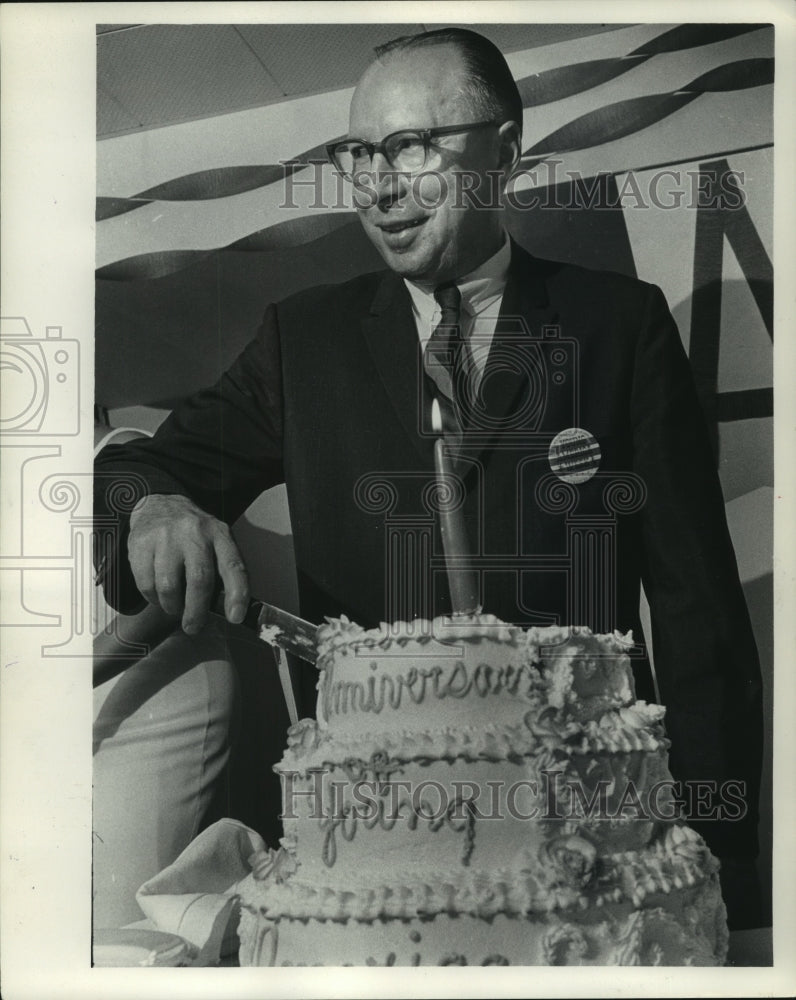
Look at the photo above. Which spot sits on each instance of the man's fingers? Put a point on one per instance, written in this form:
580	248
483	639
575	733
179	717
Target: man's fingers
143	569
200	577
233	575
170	578
173	550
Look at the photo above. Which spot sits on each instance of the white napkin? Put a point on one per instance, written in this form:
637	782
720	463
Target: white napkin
197	896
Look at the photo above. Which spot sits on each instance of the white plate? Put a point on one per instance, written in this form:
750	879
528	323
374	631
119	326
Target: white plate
127	947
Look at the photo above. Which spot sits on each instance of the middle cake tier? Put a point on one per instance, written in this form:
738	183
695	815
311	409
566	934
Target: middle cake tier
480	798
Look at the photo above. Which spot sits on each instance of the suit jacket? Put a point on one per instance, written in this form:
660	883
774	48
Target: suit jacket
330	398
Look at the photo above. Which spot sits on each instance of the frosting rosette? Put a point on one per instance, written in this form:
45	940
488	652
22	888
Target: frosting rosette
270	864
564	944
568	860
302	737
685	844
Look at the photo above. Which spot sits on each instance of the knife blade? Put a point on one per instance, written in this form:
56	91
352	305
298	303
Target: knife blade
279	628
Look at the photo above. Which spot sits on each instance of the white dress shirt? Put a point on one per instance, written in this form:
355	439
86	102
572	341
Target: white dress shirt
482	294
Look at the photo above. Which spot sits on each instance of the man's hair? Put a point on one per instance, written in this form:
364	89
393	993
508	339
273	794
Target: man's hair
490	86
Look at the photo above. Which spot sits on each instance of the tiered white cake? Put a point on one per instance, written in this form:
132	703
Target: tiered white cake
473	793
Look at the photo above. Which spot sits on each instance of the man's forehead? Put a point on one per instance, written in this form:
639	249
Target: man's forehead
419	87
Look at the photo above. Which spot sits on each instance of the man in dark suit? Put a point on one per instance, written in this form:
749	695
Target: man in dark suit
332	397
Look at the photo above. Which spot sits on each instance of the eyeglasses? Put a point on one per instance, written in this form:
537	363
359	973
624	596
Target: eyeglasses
406	151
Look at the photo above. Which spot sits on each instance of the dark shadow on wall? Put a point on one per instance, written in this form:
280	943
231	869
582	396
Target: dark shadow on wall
731	353
163	338
577	223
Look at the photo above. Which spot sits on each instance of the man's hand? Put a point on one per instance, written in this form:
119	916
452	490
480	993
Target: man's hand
176	551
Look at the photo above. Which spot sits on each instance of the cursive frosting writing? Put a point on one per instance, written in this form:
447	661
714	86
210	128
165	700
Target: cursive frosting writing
458	815
381	689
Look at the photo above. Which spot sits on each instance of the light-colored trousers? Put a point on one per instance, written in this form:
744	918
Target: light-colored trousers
163	731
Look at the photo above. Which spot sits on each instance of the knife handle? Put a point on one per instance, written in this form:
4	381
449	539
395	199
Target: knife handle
250	619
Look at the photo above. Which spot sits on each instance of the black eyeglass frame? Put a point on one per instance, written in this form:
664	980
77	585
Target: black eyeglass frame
426	134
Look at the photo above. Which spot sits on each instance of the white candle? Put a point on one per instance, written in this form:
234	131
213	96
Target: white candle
461	579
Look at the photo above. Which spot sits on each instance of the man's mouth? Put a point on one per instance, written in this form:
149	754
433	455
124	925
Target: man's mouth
401	226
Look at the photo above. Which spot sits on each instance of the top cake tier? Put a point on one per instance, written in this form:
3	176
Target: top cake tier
465	672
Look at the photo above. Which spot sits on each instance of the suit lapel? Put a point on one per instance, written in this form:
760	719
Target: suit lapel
513	380
391	336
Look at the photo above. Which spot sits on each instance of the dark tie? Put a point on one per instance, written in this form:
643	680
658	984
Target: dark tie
445	357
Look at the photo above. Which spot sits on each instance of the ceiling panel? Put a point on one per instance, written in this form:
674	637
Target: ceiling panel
308	58
151	75
169	73
111	116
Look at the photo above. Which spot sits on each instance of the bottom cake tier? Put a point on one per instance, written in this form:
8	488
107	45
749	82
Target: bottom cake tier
684	927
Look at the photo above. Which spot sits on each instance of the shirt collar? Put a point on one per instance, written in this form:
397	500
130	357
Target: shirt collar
486	282
479	288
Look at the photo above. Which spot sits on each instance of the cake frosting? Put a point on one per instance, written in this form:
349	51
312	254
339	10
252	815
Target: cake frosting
476	793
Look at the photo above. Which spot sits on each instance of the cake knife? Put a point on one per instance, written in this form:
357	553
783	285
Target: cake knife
284	633
278	628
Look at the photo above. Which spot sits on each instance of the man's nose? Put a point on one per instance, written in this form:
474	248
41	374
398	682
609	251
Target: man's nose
381	183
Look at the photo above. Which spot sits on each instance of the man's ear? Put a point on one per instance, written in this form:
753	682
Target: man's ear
510	134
